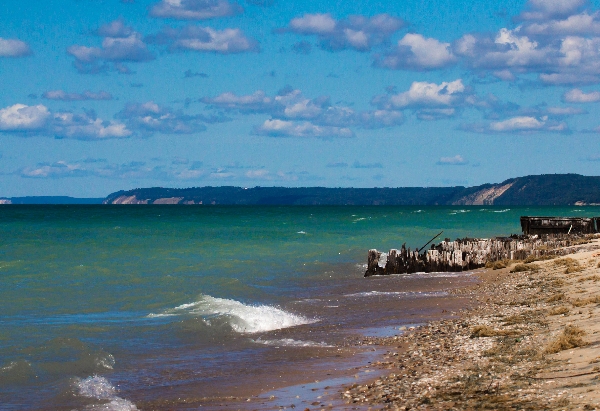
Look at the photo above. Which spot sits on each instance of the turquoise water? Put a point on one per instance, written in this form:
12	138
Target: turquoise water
95	295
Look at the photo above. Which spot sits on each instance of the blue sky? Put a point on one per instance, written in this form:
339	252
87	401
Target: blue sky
103	95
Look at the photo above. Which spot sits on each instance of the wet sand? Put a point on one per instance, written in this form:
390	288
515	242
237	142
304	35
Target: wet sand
532	342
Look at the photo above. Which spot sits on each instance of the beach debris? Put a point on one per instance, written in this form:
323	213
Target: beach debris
471	253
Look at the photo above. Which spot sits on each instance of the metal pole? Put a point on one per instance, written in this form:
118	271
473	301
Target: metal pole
419	250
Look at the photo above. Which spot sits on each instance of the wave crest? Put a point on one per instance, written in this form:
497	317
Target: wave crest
242	318
99	388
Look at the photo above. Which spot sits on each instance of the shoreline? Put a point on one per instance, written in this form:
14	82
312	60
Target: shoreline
530	342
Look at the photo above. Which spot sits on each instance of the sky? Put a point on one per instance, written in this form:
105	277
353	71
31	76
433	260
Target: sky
106	95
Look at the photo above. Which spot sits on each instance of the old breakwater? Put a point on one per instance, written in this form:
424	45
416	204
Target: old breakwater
469	253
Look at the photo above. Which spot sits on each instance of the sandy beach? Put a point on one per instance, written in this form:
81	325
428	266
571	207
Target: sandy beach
531	342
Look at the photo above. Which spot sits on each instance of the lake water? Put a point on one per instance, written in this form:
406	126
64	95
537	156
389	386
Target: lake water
174	307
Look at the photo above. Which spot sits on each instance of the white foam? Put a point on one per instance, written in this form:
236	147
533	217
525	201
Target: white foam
107	361
100	388
301	232
454	212
501	211
289	342
242	318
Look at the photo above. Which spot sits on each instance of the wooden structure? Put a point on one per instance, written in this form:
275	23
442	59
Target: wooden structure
463	254
559	225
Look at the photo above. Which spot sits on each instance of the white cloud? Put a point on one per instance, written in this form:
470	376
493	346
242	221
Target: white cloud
565	111
527	123
13	48
578	24
86	95
313	24
55	170
416	52
505	75
84	127
546	9
291	105
21	117
120	44
517	124
130	48
281	128
423	94
457	160
206	39
194	9
257	102
149	117
115	28
578	96
356	32
258	174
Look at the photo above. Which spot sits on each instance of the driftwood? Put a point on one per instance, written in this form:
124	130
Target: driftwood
466	254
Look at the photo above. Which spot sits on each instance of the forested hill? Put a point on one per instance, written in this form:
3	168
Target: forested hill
547	189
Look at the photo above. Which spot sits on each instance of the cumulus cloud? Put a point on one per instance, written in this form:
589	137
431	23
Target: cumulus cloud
290	106
149	117
205	39
578	24
550	9
120	44
415	52
282	128
13	48
519	124
557	40
194	9
508	49
564	111
115	28
457	160
356	32
86	95
578	96
87	127
429	100
39	120
256	102
21	117
58	169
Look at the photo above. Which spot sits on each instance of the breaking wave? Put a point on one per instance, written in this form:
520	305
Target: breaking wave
242	318
99	388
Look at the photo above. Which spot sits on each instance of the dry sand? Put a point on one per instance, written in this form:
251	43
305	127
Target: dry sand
532	342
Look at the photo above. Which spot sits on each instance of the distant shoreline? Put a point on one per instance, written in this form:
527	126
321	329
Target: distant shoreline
536	190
